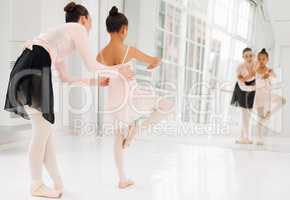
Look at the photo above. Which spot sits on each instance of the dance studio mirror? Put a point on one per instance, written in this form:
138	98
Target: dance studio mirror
202	43
199	89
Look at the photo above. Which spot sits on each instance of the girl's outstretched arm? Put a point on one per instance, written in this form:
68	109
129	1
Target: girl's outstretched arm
269	74
150	60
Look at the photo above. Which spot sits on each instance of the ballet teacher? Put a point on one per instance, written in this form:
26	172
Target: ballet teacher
30	92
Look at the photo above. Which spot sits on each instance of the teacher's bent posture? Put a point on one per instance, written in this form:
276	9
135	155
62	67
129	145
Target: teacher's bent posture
30	92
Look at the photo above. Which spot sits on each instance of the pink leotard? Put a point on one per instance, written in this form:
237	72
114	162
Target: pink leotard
129	101
62	40
243	70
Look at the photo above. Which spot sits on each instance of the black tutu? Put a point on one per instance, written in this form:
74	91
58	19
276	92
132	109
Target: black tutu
242	98
30	84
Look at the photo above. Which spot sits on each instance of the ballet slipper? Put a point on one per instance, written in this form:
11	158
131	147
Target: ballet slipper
260	142
249	141
125	184
40	190
241	141
244	141
267	115
125	143
59	188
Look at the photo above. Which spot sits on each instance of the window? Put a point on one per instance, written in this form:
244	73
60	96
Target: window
201	42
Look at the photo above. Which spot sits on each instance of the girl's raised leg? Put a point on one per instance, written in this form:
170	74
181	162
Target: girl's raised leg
277	103
164	109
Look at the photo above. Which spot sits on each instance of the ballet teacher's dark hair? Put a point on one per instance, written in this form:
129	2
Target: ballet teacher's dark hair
263	52
115	20
246	50
74	11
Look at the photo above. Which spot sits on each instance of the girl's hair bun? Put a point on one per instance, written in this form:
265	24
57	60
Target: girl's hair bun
70	7
115	20
114	11
263	50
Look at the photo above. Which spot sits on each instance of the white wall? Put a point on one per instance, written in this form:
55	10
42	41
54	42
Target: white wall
279	16
142	24
5	21
15	18
263	33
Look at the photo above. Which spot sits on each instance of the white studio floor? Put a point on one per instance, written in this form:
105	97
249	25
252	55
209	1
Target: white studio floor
163	169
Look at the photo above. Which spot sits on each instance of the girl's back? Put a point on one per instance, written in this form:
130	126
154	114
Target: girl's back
114	55
119	89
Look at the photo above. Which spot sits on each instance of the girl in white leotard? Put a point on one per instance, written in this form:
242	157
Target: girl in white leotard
265	102
127	101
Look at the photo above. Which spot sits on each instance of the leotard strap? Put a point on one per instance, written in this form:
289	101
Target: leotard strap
126	54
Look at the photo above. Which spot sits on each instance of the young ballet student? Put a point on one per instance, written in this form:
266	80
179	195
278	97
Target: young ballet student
244	93
30	92
123	102
266	102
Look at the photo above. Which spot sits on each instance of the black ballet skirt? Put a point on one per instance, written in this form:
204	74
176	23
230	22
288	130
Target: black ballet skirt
243	98
30	84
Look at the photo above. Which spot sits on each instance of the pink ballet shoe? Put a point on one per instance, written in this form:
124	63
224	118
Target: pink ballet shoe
125	143
40	190
244	141
125	184
260	143
267	115
249	142
59	188
131	135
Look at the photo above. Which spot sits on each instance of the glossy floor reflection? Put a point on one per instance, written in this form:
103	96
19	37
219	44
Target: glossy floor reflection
162	170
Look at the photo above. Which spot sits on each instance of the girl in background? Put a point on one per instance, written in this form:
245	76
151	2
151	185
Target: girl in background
126	101
244	93
266	102
30	92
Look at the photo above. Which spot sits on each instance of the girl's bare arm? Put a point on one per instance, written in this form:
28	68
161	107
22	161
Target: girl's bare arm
150	60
